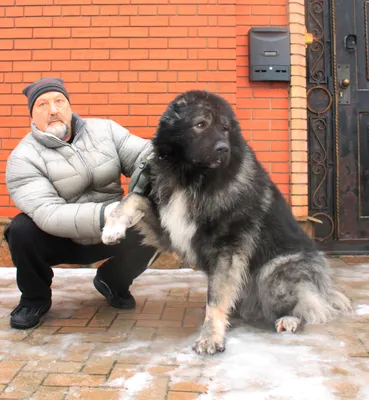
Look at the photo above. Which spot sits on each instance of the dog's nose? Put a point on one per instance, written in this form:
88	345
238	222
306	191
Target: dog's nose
221	148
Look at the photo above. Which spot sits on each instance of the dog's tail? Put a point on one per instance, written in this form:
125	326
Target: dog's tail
316	307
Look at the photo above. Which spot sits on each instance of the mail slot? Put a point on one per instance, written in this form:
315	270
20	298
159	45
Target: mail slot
269	54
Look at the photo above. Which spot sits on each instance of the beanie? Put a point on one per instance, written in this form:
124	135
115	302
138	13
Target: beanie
42	86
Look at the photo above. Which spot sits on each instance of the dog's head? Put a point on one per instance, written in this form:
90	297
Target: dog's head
197	128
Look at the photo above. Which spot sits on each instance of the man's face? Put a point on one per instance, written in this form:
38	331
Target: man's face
52	113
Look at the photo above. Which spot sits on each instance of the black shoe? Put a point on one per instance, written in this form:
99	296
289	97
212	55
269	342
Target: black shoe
123	300
25	317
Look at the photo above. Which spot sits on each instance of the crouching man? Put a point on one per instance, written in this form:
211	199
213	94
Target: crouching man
64	176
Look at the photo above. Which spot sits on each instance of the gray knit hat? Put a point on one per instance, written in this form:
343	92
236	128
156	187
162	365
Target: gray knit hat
42	86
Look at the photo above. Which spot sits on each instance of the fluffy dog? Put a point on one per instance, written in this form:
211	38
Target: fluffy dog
213	204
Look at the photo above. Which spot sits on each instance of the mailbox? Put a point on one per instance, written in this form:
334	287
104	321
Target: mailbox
269	54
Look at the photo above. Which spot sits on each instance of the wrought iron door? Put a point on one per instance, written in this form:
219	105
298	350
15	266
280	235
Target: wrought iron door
338	121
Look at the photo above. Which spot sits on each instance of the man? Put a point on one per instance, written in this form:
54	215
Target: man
65	178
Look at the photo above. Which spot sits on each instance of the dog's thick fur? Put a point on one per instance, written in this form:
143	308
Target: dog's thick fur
214	204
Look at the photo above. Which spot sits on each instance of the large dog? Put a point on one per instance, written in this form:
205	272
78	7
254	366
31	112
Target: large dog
213	203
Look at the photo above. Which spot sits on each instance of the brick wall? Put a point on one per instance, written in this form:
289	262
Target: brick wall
126	59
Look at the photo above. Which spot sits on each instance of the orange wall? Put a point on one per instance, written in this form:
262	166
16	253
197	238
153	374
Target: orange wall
126	59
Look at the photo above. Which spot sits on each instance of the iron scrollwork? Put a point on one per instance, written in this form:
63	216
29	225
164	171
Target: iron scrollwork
319	104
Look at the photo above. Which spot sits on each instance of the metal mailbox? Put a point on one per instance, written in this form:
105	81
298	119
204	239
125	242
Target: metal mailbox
269	54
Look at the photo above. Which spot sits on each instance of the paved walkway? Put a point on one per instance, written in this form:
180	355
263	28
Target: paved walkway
86	350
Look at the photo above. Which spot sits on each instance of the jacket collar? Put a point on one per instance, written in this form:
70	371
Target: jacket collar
49	140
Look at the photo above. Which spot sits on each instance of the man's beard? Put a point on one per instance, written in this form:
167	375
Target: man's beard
60	131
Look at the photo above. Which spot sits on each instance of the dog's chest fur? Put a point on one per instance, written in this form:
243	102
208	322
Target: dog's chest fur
175	219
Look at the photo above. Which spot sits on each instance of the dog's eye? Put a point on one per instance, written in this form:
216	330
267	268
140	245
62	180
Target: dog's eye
225	129
201	124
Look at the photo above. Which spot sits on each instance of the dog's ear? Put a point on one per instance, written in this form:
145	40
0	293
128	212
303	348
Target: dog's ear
171	115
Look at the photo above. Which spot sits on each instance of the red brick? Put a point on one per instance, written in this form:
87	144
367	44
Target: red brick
139	87
168	32
32	44
71	43
146	110
70	11
33	11
16	55
52	10
127	76
111	65
110	21
32	66
167	9
148	43
129	54
130	32
70	66
72	22
150	20
90	10
51	55
188	65
90	98
170	54
16	33
109	43
147	76
108	87
91	32
7	22
33	2
34	22
89	76
128	9
51	32
14	11
109	9
6	44
151	65
90	54
109	109
131	98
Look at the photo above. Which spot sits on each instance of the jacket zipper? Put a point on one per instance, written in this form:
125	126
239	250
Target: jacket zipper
89	172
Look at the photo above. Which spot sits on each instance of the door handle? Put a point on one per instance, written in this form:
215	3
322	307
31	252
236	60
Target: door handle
345	83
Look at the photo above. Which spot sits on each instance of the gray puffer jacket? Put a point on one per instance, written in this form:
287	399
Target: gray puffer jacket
65	187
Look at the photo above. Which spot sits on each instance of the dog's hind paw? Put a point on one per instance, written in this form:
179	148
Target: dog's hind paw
289	324
208	346
113	234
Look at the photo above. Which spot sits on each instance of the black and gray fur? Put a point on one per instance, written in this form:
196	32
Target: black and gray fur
214	204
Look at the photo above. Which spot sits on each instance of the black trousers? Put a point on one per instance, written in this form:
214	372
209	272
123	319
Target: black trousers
34	252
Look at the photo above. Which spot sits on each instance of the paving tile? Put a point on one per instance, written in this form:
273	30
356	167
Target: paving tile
8	370
159	323
65	322
50	393
120	373
153	307
182	396
189	386
53	366
74	380
23	385
173	313
85	313
98	365
156	390
95	394
78	352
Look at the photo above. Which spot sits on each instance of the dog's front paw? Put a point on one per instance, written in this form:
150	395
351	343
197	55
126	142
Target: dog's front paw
113	233
208	345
